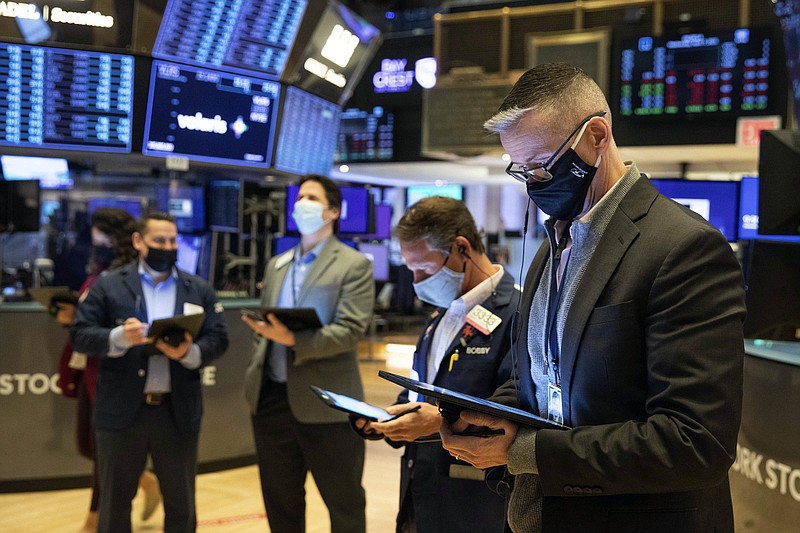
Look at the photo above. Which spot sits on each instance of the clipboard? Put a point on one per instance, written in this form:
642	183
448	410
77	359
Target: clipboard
451	403
352	406
164	326
295	318
49	296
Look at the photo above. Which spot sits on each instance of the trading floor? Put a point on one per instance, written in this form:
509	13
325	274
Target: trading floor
230	500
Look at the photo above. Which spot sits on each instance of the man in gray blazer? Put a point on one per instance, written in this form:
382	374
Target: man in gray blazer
294	432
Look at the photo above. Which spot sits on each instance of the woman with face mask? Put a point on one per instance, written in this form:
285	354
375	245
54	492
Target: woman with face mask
111	231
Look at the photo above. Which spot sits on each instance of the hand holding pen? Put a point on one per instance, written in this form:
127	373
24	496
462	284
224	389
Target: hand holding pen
413	420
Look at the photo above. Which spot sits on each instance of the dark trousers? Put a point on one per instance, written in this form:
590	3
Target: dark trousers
287	450
121	457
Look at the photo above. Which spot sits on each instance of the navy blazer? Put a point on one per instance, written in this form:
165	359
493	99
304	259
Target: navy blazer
120	386
451	502
652	362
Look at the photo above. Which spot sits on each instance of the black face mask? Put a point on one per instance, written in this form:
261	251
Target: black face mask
161	260
103	255
564	195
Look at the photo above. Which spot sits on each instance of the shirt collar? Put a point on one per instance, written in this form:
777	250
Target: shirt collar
145	275
478	294
312	254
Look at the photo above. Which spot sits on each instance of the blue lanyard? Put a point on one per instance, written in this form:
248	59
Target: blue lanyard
554	298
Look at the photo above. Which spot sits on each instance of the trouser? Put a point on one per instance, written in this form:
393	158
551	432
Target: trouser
121	457
287	450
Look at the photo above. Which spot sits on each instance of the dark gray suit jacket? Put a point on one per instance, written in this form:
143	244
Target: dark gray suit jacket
340	286
652	360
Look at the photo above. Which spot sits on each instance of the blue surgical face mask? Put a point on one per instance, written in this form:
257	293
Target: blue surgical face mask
308	216
441	288
564	195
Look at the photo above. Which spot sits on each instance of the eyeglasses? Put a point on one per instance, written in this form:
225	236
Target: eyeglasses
540	171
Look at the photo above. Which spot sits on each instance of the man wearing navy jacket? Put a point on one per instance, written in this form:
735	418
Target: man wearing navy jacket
149	397
464	347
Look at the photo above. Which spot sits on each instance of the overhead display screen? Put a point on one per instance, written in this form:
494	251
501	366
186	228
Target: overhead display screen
307	138
337	54
251	35
720	73
210	116
71	99
365	136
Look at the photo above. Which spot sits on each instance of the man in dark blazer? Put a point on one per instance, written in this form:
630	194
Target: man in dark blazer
294	431
456	350
149	397
632	316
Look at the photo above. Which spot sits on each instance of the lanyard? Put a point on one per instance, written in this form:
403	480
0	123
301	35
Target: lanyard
554	299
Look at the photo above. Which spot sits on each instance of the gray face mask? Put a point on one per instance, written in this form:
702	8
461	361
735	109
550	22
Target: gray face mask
441	288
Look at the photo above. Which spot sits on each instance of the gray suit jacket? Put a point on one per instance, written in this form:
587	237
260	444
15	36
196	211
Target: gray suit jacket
341	288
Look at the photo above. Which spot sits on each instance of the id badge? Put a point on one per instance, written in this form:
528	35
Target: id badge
554	409
483	320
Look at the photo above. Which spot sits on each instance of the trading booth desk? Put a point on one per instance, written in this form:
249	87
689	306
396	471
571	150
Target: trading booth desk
38	450
765	479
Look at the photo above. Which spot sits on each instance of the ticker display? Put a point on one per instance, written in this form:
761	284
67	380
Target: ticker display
211	116
67	99
249	35
709	74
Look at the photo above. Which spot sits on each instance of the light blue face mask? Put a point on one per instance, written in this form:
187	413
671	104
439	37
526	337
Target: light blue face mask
441	288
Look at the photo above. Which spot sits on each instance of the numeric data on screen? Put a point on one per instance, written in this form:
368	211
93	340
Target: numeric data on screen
59	98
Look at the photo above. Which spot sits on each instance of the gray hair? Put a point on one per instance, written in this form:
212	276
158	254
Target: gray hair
562	93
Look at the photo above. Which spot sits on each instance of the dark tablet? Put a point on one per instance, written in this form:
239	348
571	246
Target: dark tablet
295	318
352	406
164	326
48	296
452	402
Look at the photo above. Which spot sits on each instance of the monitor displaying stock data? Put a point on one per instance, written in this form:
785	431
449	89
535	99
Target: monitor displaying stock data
307	137
68	99
716	73
247	35
211	116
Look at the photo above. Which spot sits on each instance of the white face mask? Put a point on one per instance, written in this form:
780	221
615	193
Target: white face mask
308	216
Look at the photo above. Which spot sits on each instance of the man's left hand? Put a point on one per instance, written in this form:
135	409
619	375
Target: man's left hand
273	329
175	352
480	452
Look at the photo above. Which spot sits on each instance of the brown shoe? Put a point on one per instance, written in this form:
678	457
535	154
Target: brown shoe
152	495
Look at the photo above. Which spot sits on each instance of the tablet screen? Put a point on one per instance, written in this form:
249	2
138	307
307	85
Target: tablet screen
353	406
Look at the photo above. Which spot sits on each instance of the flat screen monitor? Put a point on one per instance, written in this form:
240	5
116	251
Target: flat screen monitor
716	201
52	172
379	255
184	202
779	182
131	205
355	214
285	243
382	223
69	99
307	137
210	116
772	291
252	36
749	218
717	73
365	136
189	248
415	193
225	199
337	53
20	205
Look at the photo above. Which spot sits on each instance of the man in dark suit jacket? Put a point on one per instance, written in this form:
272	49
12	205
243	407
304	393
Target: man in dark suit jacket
632	315
439	241
294	431
149	397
